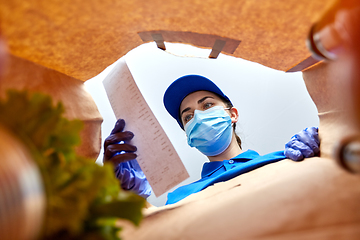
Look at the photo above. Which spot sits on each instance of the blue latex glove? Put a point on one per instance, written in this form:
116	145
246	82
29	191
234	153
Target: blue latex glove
116	146
304	144
121	154
132	178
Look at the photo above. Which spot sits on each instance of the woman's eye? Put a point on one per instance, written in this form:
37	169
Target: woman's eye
208	105
188	118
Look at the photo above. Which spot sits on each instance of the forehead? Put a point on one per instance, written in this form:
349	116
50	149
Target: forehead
192	99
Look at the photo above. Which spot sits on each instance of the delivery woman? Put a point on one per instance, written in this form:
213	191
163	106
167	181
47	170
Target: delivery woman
209	119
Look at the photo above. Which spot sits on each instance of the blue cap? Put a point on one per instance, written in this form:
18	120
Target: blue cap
182	87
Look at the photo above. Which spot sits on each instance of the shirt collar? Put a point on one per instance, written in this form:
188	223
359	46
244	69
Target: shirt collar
211	167
248	155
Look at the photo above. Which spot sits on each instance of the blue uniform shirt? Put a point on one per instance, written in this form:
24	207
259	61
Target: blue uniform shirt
220	171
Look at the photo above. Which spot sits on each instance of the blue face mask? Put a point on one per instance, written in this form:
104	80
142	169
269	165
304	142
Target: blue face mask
210	131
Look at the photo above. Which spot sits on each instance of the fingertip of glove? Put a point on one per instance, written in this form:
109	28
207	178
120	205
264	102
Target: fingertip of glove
119	126
294	155
120	122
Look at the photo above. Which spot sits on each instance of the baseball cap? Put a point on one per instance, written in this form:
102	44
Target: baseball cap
182	87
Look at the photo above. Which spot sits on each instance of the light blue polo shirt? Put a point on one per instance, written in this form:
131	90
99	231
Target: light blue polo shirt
220	171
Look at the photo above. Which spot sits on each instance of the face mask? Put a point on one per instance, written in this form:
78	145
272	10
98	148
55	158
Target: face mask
210	131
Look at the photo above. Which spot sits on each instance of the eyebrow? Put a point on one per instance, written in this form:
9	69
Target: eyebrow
200	101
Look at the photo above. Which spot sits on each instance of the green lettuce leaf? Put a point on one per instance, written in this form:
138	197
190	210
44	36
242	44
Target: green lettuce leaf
83	198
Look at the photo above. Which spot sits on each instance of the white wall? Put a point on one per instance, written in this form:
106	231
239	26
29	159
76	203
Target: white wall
273	105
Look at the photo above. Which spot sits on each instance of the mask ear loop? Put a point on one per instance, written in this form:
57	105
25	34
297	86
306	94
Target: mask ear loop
232	124
229	109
